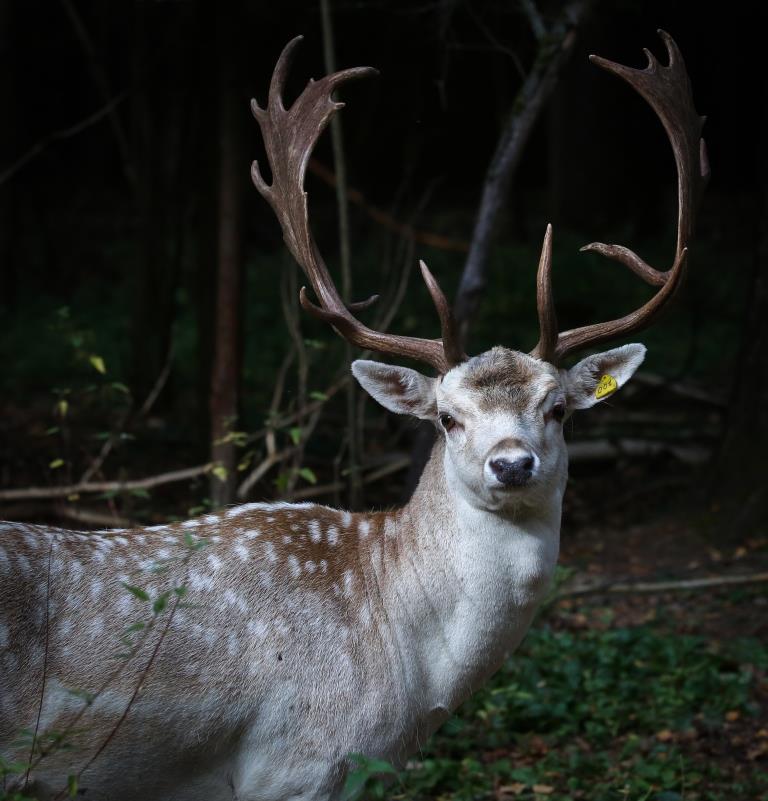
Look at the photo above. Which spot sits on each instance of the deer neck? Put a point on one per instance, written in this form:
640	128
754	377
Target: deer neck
465	595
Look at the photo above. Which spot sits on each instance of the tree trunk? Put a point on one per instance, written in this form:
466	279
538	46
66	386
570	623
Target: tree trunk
740	488
7	153
225	377
554	49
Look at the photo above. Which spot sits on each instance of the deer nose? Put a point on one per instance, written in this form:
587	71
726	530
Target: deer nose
513	472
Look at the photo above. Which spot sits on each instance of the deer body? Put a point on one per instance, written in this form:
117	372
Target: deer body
312	633
303	633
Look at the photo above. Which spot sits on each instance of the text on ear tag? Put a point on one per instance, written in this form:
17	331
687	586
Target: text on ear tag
606	386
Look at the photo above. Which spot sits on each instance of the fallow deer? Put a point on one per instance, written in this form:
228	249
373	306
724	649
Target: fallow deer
307	633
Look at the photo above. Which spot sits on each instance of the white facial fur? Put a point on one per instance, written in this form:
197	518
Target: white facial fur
501	407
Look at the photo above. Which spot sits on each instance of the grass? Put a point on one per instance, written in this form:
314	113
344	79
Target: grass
624	714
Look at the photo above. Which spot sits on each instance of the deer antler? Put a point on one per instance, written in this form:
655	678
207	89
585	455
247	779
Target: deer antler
667	90
289	138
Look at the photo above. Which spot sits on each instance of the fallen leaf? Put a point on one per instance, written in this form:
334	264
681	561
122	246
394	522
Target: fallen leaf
510	789
664	735
543	789
757	751
732	715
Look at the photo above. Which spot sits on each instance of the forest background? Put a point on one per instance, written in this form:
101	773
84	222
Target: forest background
156	363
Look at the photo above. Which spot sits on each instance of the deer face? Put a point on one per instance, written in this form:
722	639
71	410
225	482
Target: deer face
501	415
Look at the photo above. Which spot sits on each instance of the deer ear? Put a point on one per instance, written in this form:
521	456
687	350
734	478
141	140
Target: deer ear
398	389
597	377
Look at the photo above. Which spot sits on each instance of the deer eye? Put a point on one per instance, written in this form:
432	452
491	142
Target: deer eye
558	411
446	421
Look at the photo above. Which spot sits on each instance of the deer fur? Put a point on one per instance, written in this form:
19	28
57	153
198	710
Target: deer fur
307	633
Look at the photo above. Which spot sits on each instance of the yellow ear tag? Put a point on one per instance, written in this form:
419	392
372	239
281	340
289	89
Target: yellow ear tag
606	386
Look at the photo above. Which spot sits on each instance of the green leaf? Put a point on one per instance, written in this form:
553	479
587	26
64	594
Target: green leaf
160	603
140	492
56	464
62	407
180	591
318	396
72	785
295	435
97	363
220	472
308	475
136	627
142	595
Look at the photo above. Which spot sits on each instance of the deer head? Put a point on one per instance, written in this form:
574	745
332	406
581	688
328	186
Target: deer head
500	413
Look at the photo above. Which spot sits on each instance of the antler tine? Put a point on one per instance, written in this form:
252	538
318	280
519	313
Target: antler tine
289	138
545	304
667	90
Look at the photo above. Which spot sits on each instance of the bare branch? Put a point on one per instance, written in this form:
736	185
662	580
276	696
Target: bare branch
650	587
385	219
106	486
64	133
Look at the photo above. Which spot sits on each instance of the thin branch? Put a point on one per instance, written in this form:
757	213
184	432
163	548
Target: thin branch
650	587
64	133
102	82
114	436
106	486
385	219
395	466
534	17
45	661
78	514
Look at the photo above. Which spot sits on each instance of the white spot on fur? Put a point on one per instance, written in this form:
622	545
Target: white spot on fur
252	534
346	519
242	552
121	541
233	599
364	528
349	581
315	532
31	542
333	535
287	539
293	563
214	561
257	628
323	565
160	528
310	566
199	581
211	520
139	539
191	524
23	563
269	548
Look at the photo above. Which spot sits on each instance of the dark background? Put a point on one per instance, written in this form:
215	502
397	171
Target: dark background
155	363
126	143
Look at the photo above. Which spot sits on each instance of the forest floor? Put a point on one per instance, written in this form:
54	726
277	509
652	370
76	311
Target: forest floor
631	696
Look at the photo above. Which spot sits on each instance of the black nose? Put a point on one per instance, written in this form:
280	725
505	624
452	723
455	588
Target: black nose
513	473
